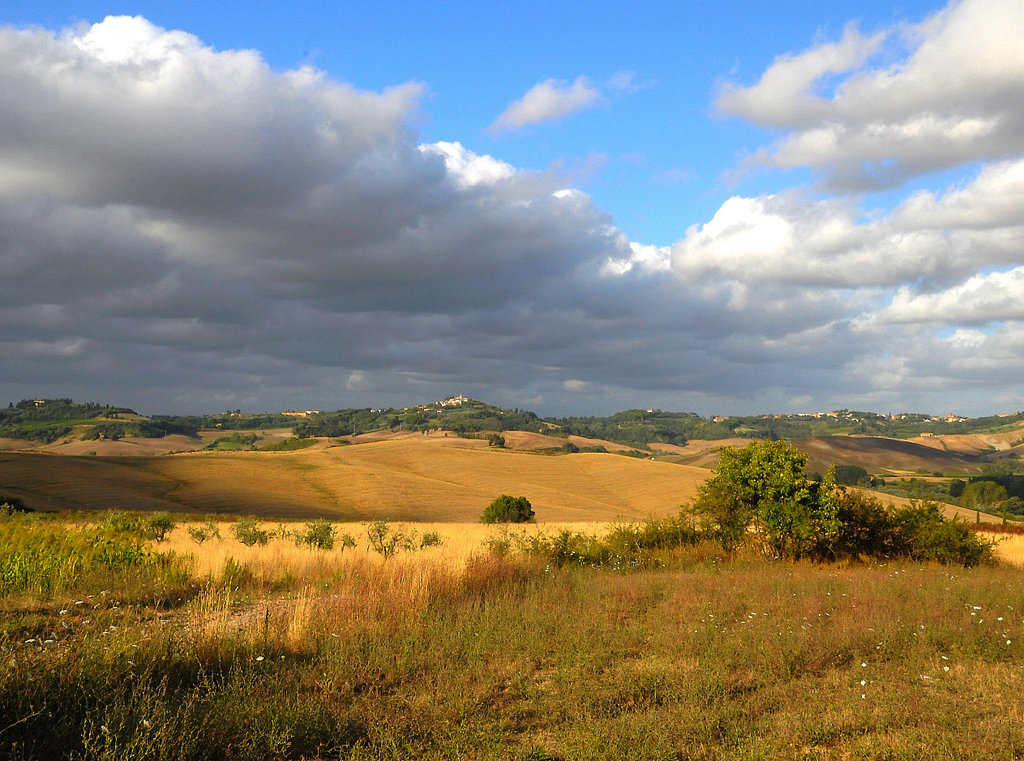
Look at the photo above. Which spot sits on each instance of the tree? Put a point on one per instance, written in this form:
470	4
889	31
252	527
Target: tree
763	486
508	509
982	495
956	487
851	475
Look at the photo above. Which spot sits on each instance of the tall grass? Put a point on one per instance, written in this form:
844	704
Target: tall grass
445	655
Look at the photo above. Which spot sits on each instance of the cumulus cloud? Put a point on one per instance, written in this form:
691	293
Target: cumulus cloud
953	96
187	229
550	100
983	298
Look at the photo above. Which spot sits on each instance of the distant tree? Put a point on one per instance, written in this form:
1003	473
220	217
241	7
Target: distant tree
982	495
956	487
495	440
1013	505
508	509
851	475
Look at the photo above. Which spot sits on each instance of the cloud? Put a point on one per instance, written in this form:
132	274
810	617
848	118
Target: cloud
944	92
546	101
981	299
186	229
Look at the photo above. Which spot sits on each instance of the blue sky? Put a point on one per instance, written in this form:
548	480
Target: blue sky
574	207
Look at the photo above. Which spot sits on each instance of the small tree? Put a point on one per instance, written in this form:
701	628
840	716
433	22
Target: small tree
508	509
764	485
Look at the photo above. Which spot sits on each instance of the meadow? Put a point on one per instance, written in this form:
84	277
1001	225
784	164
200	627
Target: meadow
492	644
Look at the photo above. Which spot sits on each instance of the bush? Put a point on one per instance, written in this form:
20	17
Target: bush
319	534
383	539
249	532
921	532
157	526
430	539
200	534
508	509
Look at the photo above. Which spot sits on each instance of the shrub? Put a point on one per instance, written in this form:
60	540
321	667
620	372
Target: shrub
430	539
200	534
921	532
508	509
319	534
157	526
249	532
383	539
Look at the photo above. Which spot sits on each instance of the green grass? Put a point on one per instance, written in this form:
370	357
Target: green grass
513	658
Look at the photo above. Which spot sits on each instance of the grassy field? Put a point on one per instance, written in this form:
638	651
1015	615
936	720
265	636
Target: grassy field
475	649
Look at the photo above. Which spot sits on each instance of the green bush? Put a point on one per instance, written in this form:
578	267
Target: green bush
157	526
249	532
200	534
759	493
508	509
430	539
383	539
319	535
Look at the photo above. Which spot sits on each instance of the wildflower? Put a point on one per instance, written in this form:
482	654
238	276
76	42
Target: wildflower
259	658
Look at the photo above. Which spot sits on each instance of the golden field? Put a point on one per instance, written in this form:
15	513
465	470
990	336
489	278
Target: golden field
418	478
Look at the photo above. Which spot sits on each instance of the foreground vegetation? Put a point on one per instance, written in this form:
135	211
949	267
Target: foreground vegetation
493	644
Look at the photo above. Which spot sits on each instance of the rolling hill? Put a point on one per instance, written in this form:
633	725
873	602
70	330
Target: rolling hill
417	478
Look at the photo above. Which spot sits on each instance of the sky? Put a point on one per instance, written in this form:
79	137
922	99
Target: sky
574	208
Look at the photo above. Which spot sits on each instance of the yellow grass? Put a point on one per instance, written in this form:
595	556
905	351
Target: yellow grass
1010	549
281	557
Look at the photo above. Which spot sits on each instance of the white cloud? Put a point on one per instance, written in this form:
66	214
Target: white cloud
575	386
954	95
983	298
546	101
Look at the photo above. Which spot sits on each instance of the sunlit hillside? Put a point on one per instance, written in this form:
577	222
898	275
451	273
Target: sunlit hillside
417	478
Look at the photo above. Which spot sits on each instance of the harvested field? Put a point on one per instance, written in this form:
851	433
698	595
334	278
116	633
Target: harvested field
420	479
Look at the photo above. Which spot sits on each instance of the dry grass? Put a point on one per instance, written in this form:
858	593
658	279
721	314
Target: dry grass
1010	549
282	559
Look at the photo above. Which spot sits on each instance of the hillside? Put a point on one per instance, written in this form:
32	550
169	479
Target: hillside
429	478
